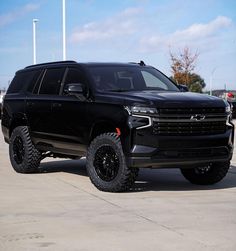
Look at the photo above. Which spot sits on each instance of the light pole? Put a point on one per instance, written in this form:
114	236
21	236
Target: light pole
64	27
211	78
34	40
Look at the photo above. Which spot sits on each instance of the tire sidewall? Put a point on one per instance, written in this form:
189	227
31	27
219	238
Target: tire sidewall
18	133
217	172
95	145
23	167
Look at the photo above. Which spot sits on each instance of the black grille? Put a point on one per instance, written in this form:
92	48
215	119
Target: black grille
189	128
186	111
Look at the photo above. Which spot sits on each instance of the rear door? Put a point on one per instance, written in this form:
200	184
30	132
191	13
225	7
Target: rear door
39	104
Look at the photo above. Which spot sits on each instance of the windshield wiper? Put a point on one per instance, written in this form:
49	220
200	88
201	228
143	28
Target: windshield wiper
118	90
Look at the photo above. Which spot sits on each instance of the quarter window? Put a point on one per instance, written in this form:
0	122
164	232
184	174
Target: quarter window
23	80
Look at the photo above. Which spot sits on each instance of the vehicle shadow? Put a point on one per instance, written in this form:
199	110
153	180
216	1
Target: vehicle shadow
148	179
173	180
69	166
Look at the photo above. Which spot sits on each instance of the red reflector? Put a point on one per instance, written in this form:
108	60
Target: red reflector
118	131
230	95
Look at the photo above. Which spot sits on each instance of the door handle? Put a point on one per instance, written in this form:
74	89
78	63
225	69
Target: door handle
30	104
56	105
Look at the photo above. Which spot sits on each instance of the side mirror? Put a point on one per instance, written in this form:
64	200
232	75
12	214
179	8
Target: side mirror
183	88
74	89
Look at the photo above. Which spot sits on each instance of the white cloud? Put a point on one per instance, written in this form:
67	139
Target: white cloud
192	34
122	23
16	14
204	30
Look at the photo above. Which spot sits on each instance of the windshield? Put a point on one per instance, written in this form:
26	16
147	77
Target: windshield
129	78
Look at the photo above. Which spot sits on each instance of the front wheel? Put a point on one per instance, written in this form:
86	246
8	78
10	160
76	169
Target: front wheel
106	164
208	174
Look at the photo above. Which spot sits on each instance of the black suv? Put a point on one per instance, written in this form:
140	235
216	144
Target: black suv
121	116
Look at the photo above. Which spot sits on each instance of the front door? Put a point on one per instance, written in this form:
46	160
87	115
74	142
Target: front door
69	114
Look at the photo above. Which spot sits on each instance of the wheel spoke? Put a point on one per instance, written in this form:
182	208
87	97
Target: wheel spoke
18	150
106	163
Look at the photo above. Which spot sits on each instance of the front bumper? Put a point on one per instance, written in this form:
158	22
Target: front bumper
181	159
179	151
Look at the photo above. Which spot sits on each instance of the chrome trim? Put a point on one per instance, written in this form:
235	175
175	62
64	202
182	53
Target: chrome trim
146	117
127	109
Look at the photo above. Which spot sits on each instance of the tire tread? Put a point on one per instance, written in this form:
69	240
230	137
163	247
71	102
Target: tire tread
129	174
33	158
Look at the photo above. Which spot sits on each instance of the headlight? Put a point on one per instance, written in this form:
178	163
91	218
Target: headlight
143	110
141	116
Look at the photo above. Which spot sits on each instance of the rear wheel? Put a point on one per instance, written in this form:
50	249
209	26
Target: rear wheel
208	174
25	158
106	164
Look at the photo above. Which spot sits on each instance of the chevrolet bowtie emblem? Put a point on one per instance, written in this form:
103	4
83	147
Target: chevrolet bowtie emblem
197	117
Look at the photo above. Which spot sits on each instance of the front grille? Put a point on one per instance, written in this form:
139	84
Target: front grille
190	121
207	110
189	128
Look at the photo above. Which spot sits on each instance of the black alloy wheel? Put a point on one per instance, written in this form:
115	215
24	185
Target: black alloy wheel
106	163
207	174
18	150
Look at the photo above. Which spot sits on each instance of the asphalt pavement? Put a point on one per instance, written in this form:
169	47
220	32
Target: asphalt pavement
59	209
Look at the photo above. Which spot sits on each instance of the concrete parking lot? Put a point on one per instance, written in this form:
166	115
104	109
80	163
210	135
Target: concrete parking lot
59	209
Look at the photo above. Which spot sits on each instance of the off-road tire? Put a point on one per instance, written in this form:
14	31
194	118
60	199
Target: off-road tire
216	173
30	158
125	177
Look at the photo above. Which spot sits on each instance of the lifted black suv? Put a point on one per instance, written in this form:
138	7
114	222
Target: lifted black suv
122	116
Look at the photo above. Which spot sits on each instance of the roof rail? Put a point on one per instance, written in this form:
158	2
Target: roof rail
50	63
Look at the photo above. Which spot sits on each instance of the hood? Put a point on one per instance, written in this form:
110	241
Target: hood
180	99
162	99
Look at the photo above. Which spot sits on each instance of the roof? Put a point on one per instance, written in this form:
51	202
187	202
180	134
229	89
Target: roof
71	62
51	63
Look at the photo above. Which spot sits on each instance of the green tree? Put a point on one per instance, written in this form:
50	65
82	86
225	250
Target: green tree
195	87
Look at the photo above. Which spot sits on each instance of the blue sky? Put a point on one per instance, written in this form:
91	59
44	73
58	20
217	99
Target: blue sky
123	31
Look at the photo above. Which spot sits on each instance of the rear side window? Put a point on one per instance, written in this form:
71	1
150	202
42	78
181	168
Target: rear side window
52	81
22	80
34	80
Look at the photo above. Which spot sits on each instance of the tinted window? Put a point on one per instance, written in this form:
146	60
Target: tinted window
52	81
75	76
22	81
130	78
33	81
15	85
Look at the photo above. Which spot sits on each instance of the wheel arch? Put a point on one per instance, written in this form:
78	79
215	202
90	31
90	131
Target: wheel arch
101	126
18	119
